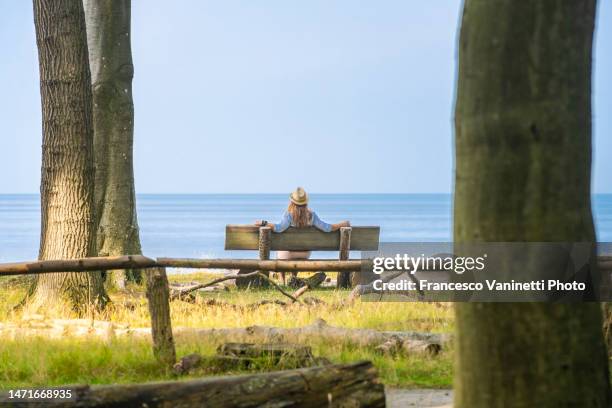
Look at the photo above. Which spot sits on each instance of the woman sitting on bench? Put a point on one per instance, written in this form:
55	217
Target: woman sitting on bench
298	215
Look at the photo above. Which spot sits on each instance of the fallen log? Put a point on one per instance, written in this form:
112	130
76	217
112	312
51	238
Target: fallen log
234	356
414	342
281	354
223	364
187	363
276	350
319	331
354	385
396	346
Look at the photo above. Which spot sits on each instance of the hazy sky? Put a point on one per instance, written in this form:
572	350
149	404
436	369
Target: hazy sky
245	96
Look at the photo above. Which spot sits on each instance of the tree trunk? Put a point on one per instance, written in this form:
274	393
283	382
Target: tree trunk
67	229
110	60
607	326
523	165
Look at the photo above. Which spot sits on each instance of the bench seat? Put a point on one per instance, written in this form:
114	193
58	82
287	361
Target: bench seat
246	237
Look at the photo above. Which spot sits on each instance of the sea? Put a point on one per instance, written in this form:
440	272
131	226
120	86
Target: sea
193	225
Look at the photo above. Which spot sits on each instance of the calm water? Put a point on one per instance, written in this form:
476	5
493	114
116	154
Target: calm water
194	225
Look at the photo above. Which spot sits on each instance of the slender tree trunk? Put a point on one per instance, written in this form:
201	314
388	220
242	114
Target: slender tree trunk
67	229
523	166
110	60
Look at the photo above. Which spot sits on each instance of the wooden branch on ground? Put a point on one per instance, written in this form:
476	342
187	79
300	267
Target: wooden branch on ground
312	282
78	265
300	291
354	385
180	293
277	286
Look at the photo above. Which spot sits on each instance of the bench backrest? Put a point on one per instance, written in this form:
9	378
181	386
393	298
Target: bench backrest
301	239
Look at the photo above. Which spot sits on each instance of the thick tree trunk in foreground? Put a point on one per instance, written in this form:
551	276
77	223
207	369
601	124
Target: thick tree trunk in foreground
523	165
67	229
350	385
110	60
607	326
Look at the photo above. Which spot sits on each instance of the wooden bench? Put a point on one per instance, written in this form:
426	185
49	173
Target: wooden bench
262	239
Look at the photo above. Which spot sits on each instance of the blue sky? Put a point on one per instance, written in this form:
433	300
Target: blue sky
243	96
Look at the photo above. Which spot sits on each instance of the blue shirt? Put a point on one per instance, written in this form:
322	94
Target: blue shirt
316	222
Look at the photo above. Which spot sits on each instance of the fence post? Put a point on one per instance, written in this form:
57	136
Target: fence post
344	278
158	295
264	252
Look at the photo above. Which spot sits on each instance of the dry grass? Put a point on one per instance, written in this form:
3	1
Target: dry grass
40	361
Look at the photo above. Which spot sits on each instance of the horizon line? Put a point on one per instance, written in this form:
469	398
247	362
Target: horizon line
283	193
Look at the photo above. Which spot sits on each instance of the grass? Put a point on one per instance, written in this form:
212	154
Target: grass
40	361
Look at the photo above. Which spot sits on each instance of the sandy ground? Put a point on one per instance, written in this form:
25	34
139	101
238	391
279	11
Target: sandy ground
400	398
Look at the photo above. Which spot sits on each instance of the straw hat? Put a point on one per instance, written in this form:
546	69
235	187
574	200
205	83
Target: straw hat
299	197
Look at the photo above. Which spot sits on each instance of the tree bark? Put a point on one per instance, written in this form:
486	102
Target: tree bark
523	165
344	278
110	60
607	326
67	229
349	385
264	254
158	296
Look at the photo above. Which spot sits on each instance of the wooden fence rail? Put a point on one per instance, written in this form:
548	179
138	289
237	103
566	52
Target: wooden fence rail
78	265
142	262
